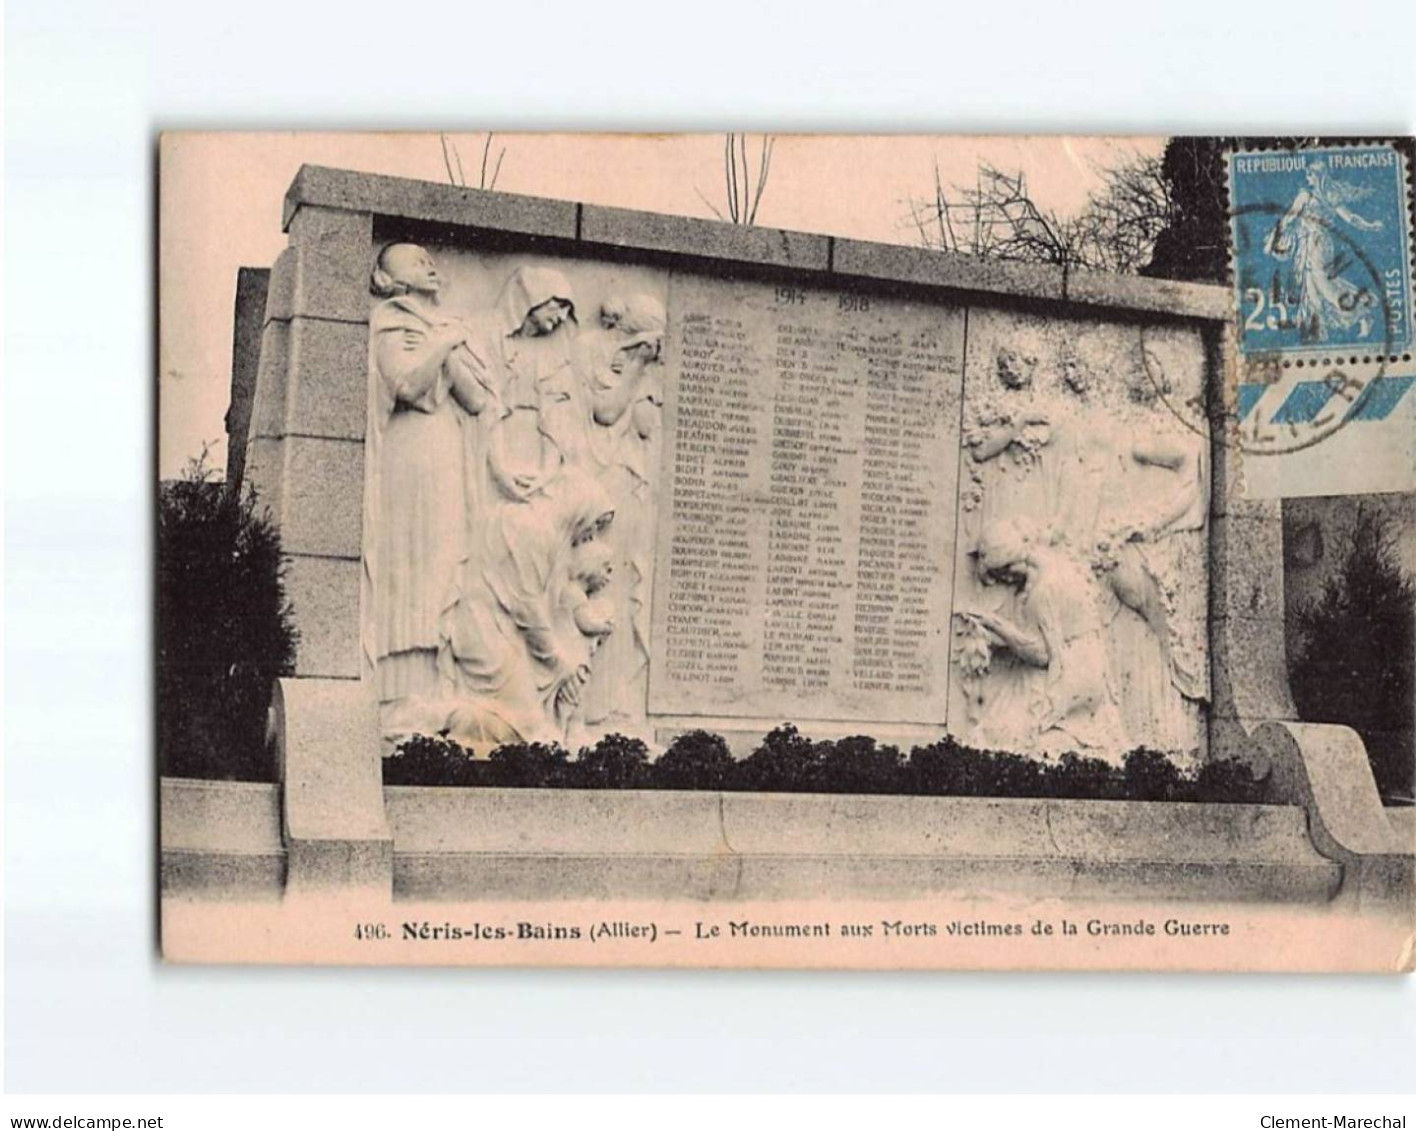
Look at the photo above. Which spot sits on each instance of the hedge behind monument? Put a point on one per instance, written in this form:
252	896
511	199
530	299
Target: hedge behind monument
224	629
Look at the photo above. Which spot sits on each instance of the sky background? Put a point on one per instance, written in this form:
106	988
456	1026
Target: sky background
220	205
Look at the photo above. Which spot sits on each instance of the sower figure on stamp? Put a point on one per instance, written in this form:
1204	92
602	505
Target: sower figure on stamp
1326	300
425	382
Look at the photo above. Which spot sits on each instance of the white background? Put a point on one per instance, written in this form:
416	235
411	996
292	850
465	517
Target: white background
88	1008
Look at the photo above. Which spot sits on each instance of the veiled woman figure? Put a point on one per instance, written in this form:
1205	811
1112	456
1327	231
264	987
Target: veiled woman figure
516	658
1305	234
621	372
543	419
425	384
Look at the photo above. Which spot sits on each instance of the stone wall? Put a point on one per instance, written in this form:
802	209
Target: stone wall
807	328
822	324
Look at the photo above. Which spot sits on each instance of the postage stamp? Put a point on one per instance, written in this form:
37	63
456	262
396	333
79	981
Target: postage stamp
1322	251
1321	258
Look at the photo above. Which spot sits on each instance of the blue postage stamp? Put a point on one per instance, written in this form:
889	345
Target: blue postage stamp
1322	252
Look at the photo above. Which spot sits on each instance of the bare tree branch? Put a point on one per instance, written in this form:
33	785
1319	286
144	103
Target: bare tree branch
447	160
743	189
711	206
452	162
730	162
1115	230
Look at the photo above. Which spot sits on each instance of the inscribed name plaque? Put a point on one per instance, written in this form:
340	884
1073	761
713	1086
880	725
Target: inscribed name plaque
806	530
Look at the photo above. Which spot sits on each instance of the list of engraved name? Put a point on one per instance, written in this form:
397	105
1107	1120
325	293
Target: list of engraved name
809	490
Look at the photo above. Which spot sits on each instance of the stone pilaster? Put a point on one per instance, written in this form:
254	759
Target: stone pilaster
305	456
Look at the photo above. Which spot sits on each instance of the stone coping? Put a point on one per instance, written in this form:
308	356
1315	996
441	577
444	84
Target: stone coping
596	227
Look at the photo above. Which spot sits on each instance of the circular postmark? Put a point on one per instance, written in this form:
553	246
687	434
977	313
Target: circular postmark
1326	383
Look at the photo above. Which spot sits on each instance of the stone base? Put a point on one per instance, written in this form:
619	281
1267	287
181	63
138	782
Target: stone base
221	840
465	845
468	844
335	830
1324	768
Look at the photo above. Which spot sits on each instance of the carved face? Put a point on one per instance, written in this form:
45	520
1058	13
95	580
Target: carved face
545	319
1014	370
412	267
597	578
1148	381
642	352
1001	556
594	566
1074	376
611	313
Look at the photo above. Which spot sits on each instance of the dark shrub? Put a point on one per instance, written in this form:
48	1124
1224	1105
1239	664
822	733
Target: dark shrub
1074	775
1228	780
1148	775
615	762
224	629
695	760
859	765
786	762
531	765
933	770
947	769
1357	665
423	760
1011	775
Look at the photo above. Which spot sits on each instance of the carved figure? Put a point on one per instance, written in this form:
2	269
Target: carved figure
622	367
1005	438
1153	560
528	622
425	381
1056	628
528	341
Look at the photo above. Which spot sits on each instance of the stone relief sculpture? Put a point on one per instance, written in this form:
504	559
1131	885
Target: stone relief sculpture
500	450
512	500
526	623
1153	558
1056	629
528	339
426	384
1005	439
1083	617
621	367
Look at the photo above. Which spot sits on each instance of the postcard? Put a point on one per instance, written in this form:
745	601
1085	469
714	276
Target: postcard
801	551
